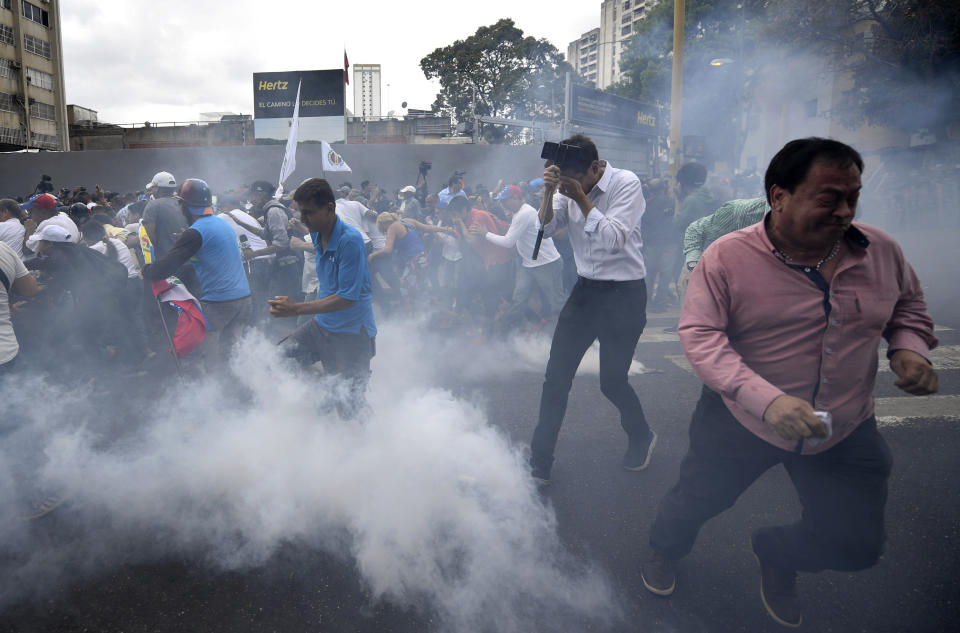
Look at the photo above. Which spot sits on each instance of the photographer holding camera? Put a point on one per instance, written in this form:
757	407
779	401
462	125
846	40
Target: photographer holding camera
600	206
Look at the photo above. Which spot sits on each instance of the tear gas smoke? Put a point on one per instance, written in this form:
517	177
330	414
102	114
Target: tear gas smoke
434	506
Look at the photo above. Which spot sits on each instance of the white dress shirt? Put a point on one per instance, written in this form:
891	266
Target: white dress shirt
606	244
524	227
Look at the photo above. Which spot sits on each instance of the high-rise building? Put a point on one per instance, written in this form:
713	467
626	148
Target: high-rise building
582	54
33	109
366	90
596	55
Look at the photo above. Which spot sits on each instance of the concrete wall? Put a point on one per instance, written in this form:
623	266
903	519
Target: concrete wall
391	166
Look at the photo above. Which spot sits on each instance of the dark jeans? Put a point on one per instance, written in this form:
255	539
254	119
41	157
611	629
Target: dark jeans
615	313
843	492
341	353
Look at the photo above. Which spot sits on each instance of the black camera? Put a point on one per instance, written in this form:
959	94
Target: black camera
565	156
425	166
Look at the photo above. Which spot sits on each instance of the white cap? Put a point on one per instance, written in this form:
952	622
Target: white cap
162	179
409	189
53	233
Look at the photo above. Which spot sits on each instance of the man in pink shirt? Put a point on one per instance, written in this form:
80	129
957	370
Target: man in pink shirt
782	322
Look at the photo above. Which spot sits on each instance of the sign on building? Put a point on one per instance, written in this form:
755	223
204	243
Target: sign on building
601	109
321	105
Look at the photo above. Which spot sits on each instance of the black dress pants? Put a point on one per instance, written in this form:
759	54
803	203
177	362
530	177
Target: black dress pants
614	313
843	491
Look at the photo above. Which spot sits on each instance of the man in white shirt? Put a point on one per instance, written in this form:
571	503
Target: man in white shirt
600	206
43	212
543	273
353	213
11	225
14	278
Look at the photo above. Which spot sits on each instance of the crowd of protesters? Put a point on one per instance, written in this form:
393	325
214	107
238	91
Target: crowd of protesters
464	251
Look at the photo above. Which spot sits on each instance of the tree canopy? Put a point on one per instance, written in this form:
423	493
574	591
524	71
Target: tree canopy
511	75
903	56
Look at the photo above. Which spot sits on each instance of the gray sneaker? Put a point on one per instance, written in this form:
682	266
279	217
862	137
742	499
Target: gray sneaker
659	574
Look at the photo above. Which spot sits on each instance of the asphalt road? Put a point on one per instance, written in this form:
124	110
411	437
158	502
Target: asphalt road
604	514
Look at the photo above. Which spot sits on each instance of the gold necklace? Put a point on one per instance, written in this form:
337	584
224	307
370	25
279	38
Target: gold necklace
833	253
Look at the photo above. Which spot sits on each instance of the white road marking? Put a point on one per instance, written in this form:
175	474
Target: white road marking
894	411
943	358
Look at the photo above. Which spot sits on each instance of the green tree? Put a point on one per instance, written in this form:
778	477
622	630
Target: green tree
716	99
510	75
903	56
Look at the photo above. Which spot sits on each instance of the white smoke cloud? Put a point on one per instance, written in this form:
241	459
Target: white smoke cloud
433	504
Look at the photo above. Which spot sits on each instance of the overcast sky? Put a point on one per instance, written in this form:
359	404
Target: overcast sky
134	60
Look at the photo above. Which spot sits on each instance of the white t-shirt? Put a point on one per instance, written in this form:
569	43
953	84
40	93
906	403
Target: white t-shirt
450	246
11	232
123	255
61	219
254	241
352	212
14	269
522	233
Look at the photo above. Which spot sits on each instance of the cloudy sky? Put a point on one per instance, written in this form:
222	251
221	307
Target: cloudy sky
134	60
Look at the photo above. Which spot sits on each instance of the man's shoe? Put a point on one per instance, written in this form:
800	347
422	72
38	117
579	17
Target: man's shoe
639	452
659	574
778	591
539	473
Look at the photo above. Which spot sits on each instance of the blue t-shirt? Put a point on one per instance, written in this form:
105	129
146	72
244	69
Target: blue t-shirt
218	263
342	270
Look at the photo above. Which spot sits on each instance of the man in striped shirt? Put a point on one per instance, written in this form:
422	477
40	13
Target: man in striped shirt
732	216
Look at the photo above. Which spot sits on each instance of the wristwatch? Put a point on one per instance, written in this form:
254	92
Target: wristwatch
691	265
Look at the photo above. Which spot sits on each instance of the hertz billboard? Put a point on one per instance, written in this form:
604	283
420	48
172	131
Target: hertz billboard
321	105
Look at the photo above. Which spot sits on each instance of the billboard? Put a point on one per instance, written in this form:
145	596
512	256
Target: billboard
601	109
321	105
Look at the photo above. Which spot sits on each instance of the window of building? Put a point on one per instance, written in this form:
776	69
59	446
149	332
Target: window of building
626	5
6	34
11	135
810	108
39	78
46	141
6	102
36	46
5	4
41	110
593	38
35	13
627	17
625	30
6	68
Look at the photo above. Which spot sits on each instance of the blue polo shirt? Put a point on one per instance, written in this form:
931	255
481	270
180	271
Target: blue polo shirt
342	270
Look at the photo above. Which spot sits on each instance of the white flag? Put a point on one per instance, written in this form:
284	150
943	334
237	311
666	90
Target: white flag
290	157
333	161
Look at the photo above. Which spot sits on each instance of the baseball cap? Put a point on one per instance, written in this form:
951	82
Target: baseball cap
44	201
536	184
512	191
162	179
262	186
409	189
53	233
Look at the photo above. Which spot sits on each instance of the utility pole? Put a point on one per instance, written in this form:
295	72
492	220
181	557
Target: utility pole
476	120
676	88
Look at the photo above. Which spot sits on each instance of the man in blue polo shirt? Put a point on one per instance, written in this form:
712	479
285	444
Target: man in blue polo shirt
342	333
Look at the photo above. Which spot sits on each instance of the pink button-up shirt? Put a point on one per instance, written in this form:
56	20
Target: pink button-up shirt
755	328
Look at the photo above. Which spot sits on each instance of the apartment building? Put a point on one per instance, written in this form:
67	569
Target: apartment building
33	110
366	90
595	56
